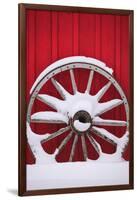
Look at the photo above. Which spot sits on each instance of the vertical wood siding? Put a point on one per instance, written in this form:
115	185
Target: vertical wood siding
54	35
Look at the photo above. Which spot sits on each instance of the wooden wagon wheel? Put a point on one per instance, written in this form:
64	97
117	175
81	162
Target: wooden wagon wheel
84	116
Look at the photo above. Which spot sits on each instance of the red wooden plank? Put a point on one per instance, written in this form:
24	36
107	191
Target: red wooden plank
44	53
75	34
98	36
86	46
64	49
118	49
108	39
30	40
65	46
30	56
125	54
54	35
117	72
87	35
43	40
125	64
107	54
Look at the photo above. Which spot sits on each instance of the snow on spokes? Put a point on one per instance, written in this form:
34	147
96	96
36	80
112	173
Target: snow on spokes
67	108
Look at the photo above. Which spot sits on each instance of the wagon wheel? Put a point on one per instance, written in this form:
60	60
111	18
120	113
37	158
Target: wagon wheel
84	116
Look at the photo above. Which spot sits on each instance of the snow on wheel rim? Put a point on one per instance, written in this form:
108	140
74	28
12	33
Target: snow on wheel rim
79	119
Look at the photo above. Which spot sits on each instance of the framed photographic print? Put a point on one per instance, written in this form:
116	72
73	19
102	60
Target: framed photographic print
75	99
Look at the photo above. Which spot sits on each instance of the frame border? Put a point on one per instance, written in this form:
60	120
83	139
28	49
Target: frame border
22	105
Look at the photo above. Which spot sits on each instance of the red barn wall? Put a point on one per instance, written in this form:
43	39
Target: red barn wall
54	35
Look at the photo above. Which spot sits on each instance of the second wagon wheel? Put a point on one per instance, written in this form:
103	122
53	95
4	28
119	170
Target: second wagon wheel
80	112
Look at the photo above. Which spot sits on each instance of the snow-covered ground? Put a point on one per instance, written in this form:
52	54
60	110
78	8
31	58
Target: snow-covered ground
77	174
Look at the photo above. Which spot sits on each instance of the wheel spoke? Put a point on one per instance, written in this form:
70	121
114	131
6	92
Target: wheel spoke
90	81
64	142
103	90
53	102
55	134
97	121
48	117
84	148
109	105
74	86
63	93
95	144
106	135
73	148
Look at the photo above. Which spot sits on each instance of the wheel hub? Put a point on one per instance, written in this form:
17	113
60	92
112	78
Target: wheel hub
81	122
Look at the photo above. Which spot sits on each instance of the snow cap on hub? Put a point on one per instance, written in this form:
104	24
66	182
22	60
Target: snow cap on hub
81	122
